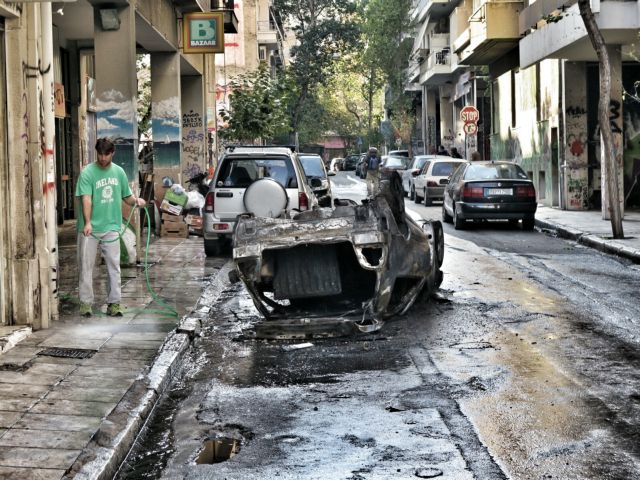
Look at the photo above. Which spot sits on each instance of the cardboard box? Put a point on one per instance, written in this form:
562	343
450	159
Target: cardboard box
176	199
194	221
168	207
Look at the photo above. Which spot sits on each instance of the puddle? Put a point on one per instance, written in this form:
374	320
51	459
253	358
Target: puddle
218	450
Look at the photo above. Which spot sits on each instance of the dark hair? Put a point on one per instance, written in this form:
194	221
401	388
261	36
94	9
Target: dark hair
105	146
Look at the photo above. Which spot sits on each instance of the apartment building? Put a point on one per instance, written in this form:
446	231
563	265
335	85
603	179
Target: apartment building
540	105
68	75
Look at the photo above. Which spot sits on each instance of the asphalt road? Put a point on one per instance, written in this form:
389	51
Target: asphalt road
525	366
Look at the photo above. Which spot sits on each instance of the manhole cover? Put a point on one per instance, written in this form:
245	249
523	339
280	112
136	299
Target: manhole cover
67	352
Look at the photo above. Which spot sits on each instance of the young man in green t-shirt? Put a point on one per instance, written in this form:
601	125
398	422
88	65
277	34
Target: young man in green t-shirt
101	188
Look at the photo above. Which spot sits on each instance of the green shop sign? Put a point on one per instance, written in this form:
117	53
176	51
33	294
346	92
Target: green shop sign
203	32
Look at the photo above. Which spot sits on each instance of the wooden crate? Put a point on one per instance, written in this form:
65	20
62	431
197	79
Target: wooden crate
174	229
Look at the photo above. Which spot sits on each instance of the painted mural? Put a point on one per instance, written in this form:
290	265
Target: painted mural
631	109
165	125
116	119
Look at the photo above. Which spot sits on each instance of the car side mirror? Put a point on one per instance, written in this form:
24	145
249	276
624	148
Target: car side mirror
445	181
315	183
416	173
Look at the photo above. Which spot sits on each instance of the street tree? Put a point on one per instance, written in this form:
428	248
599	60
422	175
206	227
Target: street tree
610	151
143	70
386	29
257	107
324	30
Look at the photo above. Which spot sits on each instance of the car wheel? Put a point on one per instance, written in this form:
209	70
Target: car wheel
427	199
446	218
513	222
416	197
458	223
528	223
412	193
212	248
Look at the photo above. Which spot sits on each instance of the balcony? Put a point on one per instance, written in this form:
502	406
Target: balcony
267	33
230	19
459	26
437	69
493	31
433	10
619	22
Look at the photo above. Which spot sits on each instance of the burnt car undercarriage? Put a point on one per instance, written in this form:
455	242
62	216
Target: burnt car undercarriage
334	271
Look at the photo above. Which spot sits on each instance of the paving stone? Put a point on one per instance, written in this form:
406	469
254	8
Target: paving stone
38	457
136	344
70	340
126	353
106	372
52	368
72	423
84	394
146	336
8	473
17	404
17	437
94	382
20	390
73	407
8	419
28	378
8	359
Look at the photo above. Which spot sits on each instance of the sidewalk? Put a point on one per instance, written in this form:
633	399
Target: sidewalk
589	229
63	416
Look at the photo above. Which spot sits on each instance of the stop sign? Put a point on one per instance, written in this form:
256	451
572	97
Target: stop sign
469	114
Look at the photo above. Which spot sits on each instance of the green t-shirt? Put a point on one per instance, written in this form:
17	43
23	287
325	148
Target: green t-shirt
107	187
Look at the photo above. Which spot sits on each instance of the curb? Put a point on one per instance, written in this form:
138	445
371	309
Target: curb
592	241
110	445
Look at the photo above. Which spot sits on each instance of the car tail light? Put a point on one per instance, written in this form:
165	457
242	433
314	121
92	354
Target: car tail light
473	192
526	191
221	226
303	201
431	183
208	203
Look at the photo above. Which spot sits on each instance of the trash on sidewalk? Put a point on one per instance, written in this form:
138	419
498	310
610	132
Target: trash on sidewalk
173	226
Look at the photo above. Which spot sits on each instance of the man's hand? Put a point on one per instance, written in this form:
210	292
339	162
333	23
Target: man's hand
86	231
141	202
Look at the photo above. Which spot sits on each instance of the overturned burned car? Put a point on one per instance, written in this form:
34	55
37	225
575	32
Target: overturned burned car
332	270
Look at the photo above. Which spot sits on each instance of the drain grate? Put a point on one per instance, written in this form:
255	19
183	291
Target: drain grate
67	352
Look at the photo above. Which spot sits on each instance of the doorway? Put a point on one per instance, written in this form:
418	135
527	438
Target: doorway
555	168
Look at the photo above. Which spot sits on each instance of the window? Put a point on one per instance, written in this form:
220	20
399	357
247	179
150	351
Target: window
262	53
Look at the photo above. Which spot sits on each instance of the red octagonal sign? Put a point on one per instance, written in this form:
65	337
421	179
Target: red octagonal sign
469	114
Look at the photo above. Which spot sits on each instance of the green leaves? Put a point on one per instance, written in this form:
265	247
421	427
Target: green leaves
258	107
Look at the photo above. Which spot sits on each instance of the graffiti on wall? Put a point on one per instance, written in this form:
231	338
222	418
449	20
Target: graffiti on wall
193	146
576	147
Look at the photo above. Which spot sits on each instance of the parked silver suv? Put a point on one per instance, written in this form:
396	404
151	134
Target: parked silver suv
265	181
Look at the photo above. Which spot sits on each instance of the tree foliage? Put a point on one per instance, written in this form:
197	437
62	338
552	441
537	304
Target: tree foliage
257	107
324	30
143	70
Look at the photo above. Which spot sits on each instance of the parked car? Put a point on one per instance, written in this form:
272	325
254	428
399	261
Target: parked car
430	182
348	269
350	162
389	163
360	171
263	181
317	177
489	191
414	169
336	164
399	153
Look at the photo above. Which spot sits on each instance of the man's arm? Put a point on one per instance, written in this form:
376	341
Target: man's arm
86	214
133	201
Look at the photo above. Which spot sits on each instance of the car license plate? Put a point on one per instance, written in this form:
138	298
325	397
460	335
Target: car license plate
498	191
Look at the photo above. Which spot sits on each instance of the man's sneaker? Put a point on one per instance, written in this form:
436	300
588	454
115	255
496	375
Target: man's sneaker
85	309
114	310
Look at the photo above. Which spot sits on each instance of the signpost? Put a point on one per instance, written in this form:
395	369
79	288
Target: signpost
470	116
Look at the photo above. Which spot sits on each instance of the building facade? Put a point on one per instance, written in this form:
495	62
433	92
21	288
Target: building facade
531	71
69	76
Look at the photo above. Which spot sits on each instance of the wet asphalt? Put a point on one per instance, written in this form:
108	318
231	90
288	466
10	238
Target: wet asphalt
524	366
